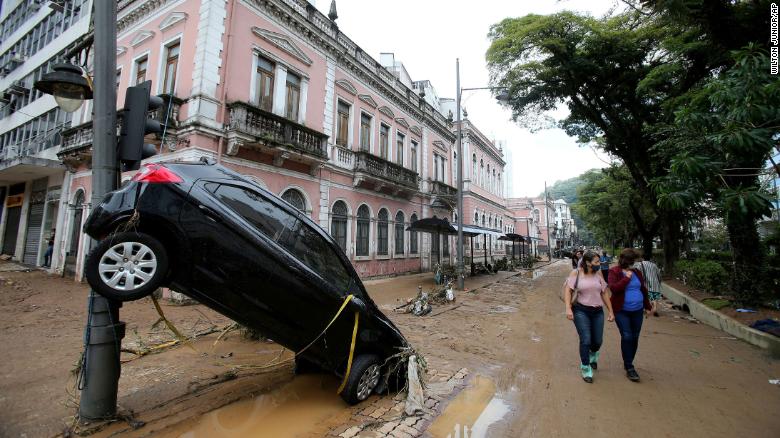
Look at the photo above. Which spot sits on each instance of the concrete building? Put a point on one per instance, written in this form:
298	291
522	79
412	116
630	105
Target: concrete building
35	35
274	90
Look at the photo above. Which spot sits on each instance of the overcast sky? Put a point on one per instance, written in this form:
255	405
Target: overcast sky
428	35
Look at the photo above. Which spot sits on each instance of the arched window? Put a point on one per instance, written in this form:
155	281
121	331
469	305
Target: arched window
338	224
481	173
382	219
363	226
295	198
500	186
413	237
493	182
501	223
473	167
455	167
399	233
483	219
476	218
487	179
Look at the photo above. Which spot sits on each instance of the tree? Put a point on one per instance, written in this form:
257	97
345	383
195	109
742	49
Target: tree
606	72
723	136
605	201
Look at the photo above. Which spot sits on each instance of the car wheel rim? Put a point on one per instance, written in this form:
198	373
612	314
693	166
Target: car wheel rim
127	266
368	382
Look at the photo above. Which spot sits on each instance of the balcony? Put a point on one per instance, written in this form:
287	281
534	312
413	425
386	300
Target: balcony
381	175
250	126
77	141
439	188
444	195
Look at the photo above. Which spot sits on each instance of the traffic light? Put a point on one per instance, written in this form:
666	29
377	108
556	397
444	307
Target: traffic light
136	124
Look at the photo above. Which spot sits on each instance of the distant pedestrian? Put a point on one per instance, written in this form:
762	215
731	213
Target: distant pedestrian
605	260
629	298
585	295
575	259
49	250
652	276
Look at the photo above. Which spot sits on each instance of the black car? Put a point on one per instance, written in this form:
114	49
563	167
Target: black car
206	231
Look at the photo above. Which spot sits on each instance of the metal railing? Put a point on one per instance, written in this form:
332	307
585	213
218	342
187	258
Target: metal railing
385	170
276	131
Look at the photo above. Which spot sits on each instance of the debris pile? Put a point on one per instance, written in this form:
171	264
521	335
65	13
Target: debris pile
421	304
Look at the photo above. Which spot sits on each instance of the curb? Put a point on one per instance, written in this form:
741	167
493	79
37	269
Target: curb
715	319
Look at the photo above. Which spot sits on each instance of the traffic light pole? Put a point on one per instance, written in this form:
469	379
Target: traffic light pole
104	332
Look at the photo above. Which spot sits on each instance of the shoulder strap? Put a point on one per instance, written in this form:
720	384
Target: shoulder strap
577	280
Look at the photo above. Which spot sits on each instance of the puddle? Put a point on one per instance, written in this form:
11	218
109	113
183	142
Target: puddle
472	412
502	309
296	409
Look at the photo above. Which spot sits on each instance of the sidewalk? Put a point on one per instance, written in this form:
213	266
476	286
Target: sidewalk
391	291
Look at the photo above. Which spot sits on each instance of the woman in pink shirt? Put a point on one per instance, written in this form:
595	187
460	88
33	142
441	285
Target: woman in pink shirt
587	310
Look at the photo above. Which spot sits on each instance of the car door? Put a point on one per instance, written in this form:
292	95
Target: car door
242	247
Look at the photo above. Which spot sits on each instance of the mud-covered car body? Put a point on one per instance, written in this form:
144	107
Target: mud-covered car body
251	256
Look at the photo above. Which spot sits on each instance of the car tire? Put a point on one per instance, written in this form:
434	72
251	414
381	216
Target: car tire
362	379
127	266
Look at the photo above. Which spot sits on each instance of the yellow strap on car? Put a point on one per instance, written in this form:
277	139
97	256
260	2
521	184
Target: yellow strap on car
343	305
351	353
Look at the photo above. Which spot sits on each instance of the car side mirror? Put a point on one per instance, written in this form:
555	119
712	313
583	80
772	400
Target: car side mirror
359	304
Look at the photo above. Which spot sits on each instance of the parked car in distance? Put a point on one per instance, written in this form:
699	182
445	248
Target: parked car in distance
204	230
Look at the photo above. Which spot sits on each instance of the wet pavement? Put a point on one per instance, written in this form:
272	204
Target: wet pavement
502	362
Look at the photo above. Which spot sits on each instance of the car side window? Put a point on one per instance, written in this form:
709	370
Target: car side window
258	211
312	249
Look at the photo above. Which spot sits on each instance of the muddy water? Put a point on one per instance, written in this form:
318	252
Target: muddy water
295	410
471	413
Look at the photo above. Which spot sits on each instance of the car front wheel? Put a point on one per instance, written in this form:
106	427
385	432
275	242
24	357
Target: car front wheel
362	379
127	266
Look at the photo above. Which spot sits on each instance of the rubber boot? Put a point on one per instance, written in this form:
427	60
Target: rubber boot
587	373
594	360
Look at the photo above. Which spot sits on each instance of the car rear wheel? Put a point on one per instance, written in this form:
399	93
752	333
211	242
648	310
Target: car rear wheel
127	266
362	379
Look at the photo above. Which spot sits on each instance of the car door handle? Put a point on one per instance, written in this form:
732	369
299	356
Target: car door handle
210	213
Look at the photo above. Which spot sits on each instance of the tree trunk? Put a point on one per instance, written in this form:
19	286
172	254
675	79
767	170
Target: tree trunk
647	246
748	270
670	238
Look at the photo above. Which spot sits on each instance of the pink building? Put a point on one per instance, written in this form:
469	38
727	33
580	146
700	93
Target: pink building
532	219
274	90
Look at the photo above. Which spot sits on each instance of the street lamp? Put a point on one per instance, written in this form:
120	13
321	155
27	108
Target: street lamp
502	96
68	85
104	332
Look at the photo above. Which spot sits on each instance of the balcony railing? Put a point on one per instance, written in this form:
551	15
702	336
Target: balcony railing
384	170
81	136
276	131
441	189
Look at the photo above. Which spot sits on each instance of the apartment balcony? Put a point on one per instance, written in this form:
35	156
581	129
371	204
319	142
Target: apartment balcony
444	195
77	141
252	127
381	175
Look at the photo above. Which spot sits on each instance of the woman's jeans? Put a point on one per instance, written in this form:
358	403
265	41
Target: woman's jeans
630	324
589	322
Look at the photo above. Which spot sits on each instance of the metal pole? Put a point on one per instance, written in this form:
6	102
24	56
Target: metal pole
461	216
104	331
547	220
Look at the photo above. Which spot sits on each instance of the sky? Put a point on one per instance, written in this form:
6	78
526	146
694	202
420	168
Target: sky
428	35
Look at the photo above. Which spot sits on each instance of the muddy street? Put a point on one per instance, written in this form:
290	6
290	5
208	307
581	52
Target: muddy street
502	362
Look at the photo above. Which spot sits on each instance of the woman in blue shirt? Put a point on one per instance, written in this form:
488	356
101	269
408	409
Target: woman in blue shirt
629	299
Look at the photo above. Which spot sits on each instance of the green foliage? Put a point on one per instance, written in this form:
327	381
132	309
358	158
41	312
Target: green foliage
605	200
713	238
705	275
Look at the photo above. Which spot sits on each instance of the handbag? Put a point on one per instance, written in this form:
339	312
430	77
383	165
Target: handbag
574	291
